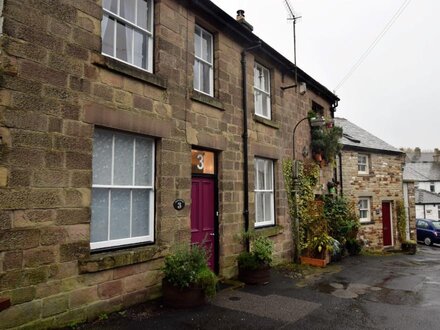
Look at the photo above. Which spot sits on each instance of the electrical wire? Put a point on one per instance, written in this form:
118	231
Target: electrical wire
374	43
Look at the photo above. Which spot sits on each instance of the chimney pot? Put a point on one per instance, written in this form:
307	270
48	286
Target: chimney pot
242	20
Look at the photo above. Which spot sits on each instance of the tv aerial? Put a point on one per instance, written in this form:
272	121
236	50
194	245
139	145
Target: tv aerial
292	17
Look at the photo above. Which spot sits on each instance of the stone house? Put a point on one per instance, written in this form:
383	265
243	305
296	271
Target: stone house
369	172
125	131
422	170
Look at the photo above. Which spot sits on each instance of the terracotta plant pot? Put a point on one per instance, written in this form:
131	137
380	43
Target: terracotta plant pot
176	297
409	247
314	261
318	157
254	276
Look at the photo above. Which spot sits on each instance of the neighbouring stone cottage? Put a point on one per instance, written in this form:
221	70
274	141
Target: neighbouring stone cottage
123	132
422	173
369	172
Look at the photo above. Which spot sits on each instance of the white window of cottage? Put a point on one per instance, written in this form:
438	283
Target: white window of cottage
127	32
262	91
264	193
204	61
364	210
123	189
363	164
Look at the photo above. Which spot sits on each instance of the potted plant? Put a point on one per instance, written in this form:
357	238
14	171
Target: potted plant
254	265
188	279
409	247
319	250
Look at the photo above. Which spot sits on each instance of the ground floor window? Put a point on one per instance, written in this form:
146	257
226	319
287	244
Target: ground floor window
364	210
123	189
264	193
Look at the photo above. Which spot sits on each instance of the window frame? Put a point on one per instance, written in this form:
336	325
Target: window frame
149	189
267	92
366	164
144	31
265	191
199	61
367	209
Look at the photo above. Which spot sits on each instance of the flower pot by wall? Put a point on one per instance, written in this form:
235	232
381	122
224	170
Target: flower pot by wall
254	276
188	297
409	247
314	261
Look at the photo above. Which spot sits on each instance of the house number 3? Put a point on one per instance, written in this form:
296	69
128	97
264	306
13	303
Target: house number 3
201	164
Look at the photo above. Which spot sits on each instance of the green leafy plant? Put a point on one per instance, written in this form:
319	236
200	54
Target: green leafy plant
318	245
325	141
342	219
188	266
353	246
401	220
260	254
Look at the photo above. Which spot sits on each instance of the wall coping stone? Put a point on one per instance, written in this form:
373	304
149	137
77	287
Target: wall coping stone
208	100
114	259
129	70
267	122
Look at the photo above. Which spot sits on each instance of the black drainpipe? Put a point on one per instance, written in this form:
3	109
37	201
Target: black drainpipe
340	174
245	142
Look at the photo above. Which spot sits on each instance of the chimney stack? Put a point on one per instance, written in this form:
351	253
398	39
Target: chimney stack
436	155
242	20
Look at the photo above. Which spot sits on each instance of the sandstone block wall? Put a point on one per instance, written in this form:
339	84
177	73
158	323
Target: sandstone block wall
382	184
56	87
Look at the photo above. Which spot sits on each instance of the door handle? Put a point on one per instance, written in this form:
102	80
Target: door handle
211	234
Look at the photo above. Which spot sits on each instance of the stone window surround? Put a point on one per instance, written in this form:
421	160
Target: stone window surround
135	185
367	220
366	164
135	27
198	60
113	118
272	223
268	92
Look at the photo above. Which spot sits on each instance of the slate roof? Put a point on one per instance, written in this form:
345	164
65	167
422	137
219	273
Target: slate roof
426	197
421	172
423	157
354	136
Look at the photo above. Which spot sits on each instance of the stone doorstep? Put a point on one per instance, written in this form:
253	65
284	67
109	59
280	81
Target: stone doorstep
5	303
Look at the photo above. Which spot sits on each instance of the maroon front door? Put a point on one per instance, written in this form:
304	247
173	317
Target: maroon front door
386	224
203	215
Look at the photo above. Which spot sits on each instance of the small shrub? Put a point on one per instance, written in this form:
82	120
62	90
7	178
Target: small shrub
353	246
188	266
259	256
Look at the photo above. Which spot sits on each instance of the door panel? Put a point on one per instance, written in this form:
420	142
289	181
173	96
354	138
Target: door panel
203	215
386	224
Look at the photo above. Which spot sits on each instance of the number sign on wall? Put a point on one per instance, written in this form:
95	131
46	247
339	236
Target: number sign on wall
202	162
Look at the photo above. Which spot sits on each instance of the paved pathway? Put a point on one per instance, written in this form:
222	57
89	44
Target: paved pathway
386	292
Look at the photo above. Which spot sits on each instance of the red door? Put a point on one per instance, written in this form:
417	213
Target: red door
386	224
202	215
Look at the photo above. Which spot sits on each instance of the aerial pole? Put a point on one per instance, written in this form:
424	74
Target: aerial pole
292	17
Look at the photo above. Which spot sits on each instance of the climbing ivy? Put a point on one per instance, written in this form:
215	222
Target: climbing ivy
401	220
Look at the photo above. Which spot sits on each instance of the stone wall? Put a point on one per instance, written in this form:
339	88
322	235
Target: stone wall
382	184
56	87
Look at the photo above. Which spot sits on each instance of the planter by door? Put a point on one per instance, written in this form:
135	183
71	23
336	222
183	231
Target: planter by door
189	297
314	261
254	276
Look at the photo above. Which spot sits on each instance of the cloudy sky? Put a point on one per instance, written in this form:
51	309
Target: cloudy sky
393	92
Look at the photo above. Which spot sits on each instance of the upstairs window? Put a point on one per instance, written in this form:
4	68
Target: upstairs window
123	189
262	91
364	210
264	195
363	164
127	32
204	61
432	187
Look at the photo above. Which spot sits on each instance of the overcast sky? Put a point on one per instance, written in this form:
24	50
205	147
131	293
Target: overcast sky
393	94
